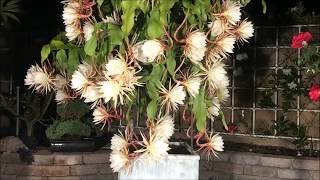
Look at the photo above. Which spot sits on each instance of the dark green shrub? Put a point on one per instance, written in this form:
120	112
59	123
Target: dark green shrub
68	129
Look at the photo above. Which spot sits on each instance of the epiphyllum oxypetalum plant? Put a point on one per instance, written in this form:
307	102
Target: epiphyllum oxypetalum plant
141	51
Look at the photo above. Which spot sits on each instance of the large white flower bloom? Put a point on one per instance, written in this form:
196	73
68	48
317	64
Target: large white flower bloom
118	142
111	90
192	85
215	143
164	128
223	46
60	82
217	27
214	109
73	31
91	94
80	78
88	29
172	97
129	79
217	76
102	116
154	148
195	47
148	51
226	44
231	11
244	31
119	160
71	13
62	97
39	79
116	66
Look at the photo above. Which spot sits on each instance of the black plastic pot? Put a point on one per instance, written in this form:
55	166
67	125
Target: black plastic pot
86	145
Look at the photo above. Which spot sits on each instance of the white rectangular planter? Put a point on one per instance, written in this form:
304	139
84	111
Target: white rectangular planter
174	166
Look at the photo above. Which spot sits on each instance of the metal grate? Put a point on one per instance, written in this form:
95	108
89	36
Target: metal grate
275	47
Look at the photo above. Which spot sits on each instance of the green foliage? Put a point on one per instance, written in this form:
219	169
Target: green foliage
171	62
128	8
223	120
264	6
9	9
152	109
302	139
75	109
199	109
73	128
282	126
45	51
91	45
266	100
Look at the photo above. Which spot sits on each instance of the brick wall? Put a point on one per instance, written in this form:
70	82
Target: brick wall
95	166
252	166
58	166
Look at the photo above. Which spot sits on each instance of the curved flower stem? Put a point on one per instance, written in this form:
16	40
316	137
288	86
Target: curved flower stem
210	41
170	39
181	64
177	30
207	34
216	14
84	16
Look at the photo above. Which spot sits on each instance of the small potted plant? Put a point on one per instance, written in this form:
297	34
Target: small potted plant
70	135
70	131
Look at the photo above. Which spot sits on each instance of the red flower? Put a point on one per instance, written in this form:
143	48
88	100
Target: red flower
314	92
300	40
232	128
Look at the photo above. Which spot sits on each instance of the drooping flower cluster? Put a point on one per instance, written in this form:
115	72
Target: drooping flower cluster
76	16
119	156
151	148
195	47
227	28
119	82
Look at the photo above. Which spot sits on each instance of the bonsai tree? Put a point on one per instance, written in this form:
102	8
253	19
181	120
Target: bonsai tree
68	129
154	56
70	123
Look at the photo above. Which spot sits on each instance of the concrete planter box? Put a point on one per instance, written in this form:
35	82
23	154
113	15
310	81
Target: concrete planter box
174	166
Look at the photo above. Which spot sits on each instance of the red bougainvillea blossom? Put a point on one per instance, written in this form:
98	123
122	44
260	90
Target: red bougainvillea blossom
300	40
232	128
314	92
